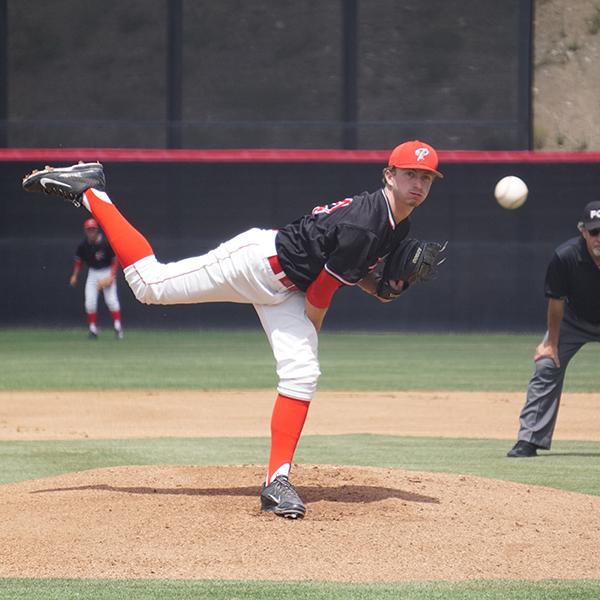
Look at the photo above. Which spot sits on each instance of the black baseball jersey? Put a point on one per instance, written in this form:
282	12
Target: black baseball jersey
572	275
97	255
347	238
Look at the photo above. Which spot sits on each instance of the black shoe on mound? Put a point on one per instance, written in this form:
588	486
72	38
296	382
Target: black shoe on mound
281	498
67	182
522	449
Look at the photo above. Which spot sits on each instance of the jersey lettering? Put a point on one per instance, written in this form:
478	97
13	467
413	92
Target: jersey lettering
329	208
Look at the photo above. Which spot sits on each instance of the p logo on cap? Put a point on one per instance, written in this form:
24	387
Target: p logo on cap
415	155
421	153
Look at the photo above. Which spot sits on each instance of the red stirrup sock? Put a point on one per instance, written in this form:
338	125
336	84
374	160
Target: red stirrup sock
116	317
286	426
91	320
127	242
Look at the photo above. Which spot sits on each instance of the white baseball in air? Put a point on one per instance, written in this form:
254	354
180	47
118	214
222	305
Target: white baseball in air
511	192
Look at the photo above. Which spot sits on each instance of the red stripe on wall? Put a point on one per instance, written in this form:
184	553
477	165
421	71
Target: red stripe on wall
281	155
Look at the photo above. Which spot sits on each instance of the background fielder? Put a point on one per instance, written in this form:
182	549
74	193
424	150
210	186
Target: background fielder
96	253
289	275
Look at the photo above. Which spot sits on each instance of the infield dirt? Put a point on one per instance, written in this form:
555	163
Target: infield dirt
159	413
363	524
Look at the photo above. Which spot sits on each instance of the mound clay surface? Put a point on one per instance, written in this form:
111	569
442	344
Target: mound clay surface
362	524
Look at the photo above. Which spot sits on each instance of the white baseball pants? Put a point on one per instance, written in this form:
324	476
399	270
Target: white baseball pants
239	271
91	291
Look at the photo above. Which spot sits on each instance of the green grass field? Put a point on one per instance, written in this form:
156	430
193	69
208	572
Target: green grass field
61	589
59	359
32	359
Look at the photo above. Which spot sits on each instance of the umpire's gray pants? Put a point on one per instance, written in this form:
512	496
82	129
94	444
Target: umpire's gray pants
538	416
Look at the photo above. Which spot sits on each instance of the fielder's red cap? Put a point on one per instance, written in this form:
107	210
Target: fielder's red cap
415	155
90	224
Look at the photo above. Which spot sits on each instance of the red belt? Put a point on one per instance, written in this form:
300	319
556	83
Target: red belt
277	270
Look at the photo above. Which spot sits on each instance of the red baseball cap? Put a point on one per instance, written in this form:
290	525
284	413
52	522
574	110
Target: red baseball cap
90	224
415	155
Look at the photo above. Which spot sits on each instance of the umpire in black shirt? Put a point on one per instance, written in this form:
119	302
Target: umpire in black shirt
573	291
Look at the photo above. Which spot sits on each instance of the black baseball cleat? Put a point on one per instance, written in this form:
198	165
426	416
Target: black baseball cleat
522	449
281	498
67	182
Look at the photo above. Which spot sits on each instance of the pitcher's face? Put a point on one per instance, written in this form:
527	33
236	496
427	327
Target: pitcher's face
409	187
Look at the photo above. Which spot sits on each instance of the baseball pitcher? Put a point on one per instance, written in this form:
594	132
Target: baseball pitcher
289	275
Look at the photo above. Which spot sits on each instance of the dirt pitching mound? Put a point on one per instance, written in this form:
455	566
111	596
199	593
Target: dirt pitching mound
363	524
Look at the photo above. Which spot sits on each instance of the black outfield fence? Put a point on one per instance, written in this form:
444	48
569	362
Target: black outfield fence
186	204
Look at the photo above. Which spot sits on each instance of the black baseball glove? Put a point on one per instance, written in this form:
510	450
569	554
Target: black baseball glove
412	261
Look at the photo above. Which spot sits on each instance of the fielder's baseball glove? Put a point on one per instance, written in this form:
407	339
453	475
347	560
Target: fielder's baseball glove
412	261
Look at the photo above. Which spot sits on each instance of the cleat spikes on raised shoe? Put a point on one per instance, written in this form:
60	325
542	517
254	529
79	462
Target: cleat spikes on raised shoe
68	183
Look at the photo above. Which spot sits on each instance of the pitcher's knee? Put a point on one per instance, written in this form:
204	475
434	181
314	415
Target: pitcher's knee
143	277
301	386
145	293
